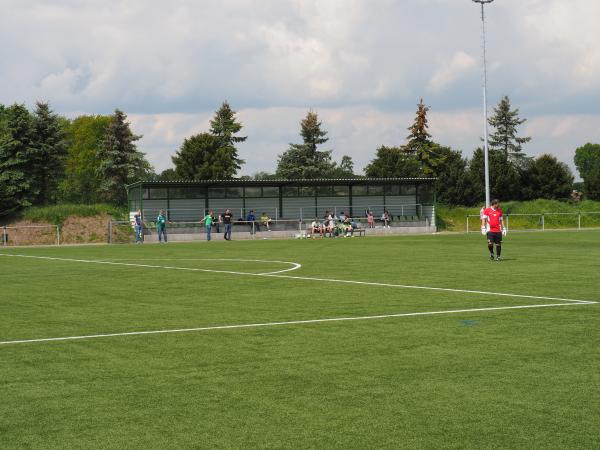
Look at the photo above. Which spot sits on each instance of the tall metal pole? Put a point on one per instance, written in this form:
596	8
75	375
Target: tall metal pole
486	167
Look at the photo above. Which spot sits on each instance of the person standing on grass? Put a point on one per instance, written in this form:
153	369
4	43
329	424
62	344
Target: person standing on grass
492	225
161	226
208	219
138	226
227	216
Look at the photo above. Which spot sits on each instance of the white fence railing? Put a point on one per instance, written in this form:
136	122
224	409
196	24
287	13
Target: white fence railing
583	220
300	213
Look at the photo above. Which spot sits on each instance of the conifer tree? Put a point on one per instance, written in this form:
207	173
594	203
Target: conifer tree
49	151
504	137
420	145
16	159
225	126
305	160
120	160
201	157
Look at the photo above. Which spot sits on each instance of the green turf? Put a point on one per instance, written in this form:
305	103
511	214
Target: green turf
521	378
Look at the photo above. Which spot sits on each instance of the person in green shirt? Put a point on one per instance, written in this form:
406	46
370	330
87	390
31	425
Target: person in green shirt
208	220
161	226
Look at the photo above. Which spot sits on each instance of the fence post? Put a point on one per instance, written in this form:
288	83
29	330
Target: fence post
543	223
110	231
507	216
579	221
467	224
4	237
57	235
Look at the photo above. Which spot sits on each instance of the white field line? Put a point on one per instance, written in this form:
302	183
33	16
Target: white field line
330	280
291	322
293	264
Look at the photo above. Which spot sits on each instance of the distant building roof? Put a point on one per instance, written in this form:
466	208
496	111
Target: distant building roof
279	182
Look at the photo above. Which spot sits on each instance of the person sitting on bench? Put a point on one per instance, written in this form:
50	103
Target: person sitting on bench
316	228
251	220
265	221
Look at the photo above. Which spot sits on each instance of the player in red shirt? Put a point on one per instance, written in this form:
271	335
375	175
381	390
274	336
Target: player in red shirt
492	225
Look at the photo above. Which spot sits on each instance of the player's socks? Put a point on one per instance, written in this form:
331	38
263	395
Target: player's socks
498	250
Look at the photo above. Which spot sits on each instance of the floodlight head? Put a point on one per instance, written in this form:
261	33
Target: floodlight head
483	1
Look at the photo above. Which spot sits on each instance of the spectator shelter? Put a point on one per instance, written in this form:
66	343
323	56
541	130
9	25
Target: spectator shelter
404	198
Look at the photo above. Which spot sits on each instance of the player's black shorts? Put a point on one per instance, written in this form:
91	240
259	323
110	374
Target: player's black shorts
494	237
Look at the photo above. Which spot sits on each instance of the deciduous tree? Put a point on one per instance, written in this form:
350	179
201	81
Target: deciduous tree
587	161
393	162
546	177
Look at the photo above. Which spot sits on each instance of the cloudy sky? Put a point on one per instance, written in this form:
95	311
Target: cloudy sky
361	64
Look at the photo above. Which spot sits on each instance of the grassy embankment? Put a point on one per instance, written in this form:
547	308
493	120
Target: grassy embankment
557	214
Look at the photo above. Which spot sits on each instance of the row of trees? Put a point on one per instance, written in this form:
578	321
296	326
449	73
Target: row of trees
46	158
460	181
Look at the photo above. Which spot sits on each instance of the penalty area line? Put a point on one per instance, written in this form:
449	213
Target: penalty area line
286	323
292	277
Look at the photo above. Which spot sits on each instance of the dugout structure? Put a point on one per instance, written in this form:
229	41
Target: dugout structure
404	198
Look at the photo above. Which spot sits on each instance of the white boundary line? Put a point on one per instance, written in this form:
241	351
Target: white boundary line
293	264
291	277
570	302
291	322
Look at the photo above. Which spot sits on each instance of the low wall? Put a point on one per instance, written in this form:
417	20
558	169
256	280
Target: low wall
183	235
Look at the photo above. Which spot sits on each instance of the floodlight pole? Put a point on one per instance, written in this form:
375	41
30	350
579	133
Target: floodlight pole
486	166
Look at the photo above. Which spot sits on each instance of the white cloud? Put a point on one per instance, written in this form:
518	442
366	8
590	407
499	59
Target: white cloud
362	64
451	71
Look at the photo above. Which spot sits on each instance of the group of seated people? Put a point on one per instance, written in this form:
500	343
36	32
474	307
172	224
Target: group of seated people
333	226
264	221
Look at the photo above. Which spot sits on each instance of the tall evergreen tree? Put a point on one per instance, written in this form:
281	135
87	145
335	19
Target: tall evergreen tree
504	137
201	157
311	131
305	160
16	159
120	162
49	152
420	144
225	126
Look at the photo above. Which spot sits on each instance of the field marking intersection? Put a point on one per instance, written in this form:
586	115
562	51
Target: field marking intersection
277	274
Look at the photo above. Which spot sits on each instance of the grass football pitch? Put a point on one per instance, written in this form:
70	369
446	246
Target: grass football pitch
391	342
